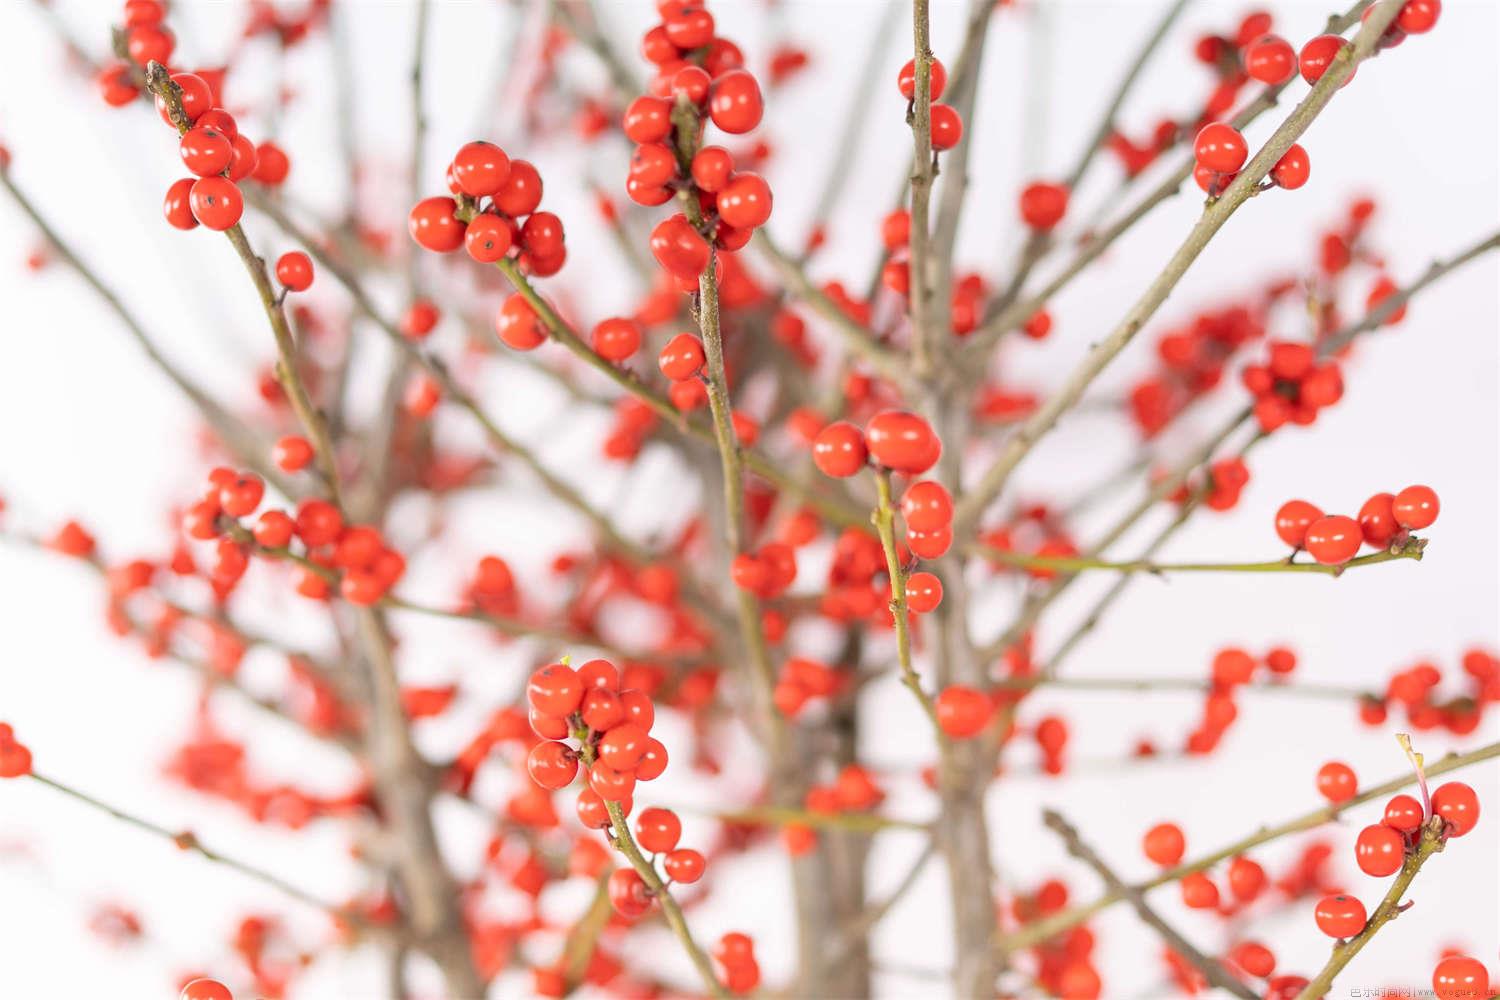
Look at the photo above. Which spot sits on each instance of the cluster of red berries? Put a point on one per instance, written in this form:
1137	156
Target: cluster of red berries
766	572
1385	521
1292	385
1415	690
1232	668
801	680
365	566
1165	845
218	156
499	197
1192	360
15	758
1219	151
947	125
699	77
1035	528
735	954
893	439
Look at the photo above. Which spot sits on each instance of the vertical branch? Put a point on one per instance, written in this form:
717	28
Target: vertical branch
924	168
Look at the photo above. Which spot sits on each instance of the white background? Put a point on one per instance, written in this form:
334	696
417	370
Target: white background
89	430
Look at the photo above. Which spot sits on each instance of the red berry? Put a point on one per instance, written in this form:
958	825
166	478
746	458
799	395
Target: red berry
1459	977
1403	813
1254	957
745	202
711	168
927	506
517	324
197	96
552	765
653	761
294	269
1336	782
216	202
684	865
937	80
1293	169
839	450
682	357
555	690
1379	850
1164	844
658	830
947	127
1220	148
1333	540
1457	803
734	102
679	248
488	237
902	441
480	168
434	224
271	164
1415	507
205	989
1377	520
292	453
628	893
617	338
1043	205
176	206
240	495
274	529
648	119
1418	17
205	150
924	592
1318	54
610	784
1340	916
1293	519
962	711
1270	59
522	191
1199	892
1246	878
621	748
930	544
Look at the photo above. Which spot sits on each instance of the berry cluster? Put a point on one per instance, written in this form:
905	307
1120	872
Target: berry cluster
801	680
15	758
1385	522
491	211
1219	151
947	123
700	77
892	439
735	954
1414	690
1292	386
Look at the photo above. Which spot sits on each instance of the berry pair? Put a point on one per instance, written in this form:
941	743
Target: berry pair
894	439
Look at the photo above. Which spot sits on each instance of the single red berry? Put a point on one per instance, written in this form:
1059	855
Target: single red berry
197	96
488	237
420	319
1043	205
1415	507
205	150
678	247
1377	520
712	166
522	190
601	709
924	592
271	164
1220	147
177	206
658	830
552	765
1379	850
962	712
1417	17
1270	59
292	453
1293	519
621	748
205	989
517	324
434	224
294	269
555	690
1457	803
937	80
240	495
610	784
648	119
149	43
1318	54
930	544
735	103
638	708
216	202
1255	958
616	338
1334	539
1337	782
243	159
1199	892
592	812
653	760
480	168
1340	916
691	83
682	357
927	506
542	235
947	127
684	865
274	529
902	441
1403	813
1246	878
1459	977
1293	169
628	893
745	202
1164	844
839	450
